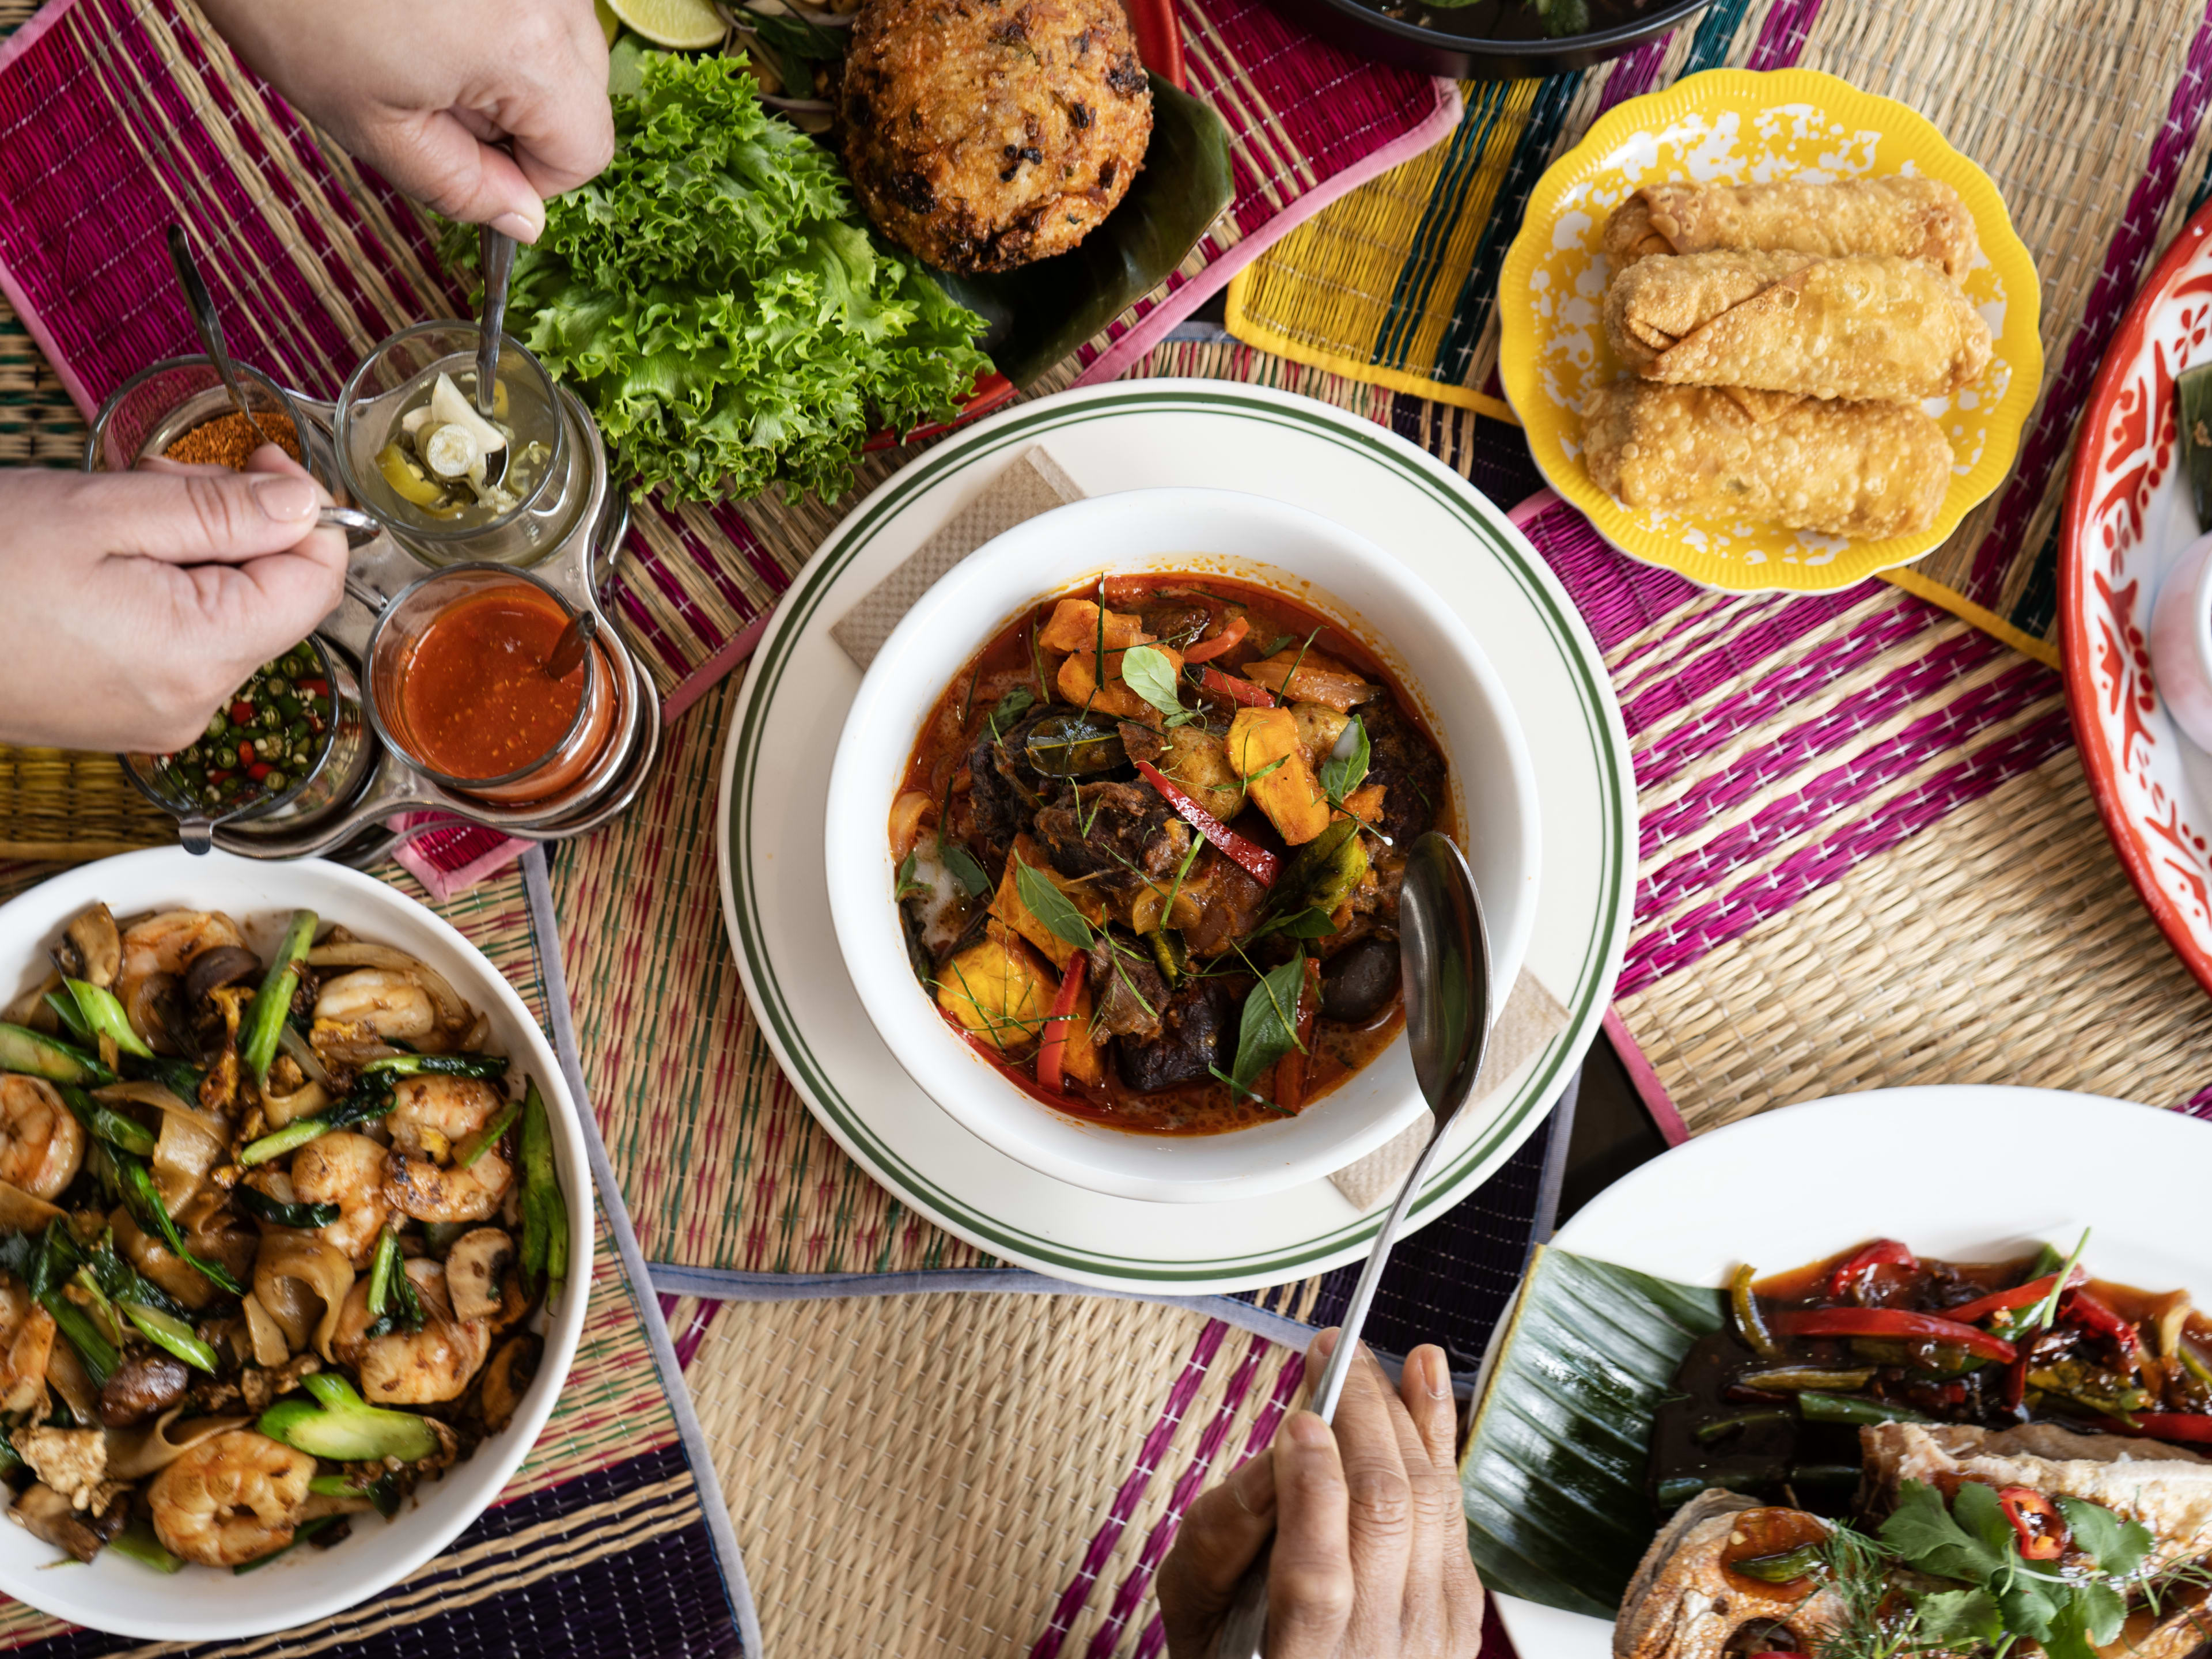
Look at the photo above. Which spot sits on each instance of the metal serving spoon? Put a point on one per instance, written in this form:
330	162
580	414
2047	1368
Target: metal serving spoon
1444	957
496	251
201	304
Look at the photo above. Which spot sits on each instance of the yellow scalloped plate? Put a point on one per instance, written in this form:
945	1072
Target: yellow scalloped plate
1742	126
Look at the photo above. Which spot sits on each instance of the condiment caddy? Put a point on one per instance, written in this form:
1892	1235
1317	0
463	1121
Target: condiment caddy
365	795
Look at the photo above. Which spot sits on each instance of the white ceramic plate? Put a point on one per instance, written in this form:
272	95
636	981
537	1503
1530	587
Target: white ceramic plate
1148	435
200	1604
1967	1174
1428	650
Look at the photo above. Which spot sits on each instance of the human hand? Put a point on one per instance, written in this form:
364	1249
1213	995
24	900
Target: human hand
137	601
1371	1557
420	89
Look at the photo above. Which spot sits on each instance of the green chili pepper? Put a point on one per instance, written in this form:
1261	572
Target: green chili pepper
1821	1407
103	1017
1790	1379
1750	1322
264	1017
1784	1567
1706	1433
1824	1475
166	1331
544	1210
25	1050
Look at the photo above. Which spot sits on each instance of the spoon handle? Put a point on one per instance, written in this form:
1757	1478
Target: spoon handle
497	252
1244	1626
208	322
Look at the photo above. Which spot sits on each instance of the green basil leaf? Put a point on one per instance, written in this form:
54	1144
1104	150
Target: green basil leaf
1269	1028
1051	907
1297	924
1338	778
907	885
1010	708
1146	670
964	868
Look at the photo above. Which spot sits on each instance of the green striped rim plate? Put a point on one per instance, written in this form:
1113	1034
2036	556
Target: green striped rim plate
1137	436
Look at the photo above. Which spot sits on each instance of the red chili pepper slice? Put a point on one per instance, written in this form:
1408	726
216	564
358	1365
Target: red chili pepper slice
1882	1253
1208	650
1054	1054
322	687
2166	1425
1249	692
240	712
2091	1312
259	770
1893	1323
2020	1296
2035	1519
245	754
1258	863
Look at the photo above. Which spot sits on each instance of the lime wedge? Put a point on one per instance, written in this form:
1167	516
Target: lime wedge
688	24
610	25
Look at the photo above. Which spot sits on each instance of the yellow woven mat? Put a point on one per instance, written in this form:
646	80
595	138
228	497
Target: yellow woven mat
2089	118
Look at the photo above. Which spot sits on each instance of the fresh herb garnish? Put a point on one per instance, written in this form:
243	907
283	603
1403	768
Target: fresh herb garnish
965	868
1146	670
1270	1026
1008	709
1051	907
907	887
1297	924
1340	777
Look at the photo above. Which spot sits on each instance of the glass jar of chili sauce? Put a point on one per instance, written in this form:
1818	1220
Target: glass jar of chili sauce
457	683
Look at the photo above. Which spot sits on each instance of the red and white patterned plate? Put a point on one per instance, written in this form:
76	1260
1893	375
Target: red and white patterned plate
2128	519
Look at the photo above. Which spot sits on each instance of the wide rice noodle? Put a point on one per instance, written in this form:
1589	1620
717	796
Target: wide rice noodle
292	1272
304	1102
72	1382
269	1348
150	1447
21	1213
452	1011
191	1142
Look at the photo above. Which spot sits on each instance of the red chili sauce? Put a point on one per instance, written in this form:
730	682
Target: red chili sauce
1114	1079
473	691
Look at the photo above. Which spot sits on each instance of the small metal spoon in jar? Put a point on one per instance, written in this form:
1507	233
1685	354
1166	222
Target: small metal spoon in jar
1443	955
201	304
496	251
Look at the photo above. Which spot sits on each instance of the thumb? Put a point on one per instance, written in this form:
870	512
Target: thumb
197	518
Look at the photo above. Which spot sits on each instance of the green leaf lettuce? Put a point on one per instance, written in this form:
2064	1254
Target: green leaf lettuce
715	300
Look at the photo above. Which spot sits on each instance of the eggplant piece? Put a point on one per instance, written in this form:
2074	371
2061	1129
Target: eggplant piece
1195	1041
1407	766
1323	873
1074	746
1357	984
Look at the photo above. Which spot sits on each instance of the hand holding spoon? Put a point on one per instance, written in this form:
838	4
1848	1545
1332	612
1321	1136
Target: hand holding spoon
1444	957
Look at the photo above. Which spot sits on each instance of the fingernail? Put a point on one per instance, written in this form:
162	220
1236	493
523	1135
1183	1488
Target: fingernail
1325	1344
1307	1431
287	500
1435	1374
520	226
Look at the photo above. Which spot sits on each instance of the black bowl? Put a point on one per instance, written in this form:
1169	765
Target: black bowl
1361	29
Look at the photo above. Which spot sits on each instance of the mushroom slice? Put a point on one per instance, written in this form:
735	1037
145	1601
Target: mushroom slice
46	1515
92	947
507	1379
473	1267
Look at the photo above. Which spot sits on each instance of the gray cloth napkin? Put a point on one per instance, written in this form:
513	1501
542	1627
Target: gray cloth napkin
1033	483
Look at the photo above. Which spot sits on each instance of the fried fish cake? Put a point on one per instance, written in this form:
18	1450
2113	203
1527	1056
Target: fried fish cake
983	134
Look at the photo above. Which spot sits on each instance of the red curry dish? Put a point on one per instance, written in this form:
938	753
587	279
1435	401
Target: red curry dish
1165	897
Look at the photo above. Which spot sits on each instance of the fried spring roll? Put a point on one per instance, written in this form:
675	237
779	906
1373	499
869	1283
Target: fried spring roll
1866	470
1907	218
1858	326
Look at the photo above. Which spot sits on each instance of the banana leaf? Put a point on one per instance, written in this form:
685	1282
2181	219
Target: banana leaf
1042	312
1553	1482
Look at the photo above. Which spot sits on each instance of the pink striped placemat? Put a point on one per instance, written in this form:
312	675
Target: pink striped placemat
118	117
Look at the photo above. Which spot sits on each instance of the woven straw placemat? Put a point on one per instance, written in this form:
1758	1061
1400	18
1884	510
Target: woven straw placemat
605	1541
2091	119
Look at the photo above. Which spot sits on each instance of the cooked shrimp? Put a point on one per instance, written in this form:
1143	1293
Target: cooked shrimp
28	1331
41	1143
391	1004
431	1117
419	1368
167	944
348	1170
231	1499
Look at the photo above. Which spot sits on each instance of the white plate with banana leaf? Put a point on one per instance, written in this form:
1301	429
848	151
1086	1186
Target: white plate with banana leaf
1553	1479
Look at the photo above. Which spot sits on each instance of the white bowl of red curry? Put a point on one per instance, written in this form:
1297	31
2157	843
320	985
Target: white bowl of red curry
1137	929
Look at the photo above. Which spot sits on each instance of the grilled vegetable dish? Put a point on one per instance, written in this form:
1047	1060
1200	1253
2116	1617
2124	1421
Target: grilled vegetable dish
1773	1404
273	1234
1149	846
